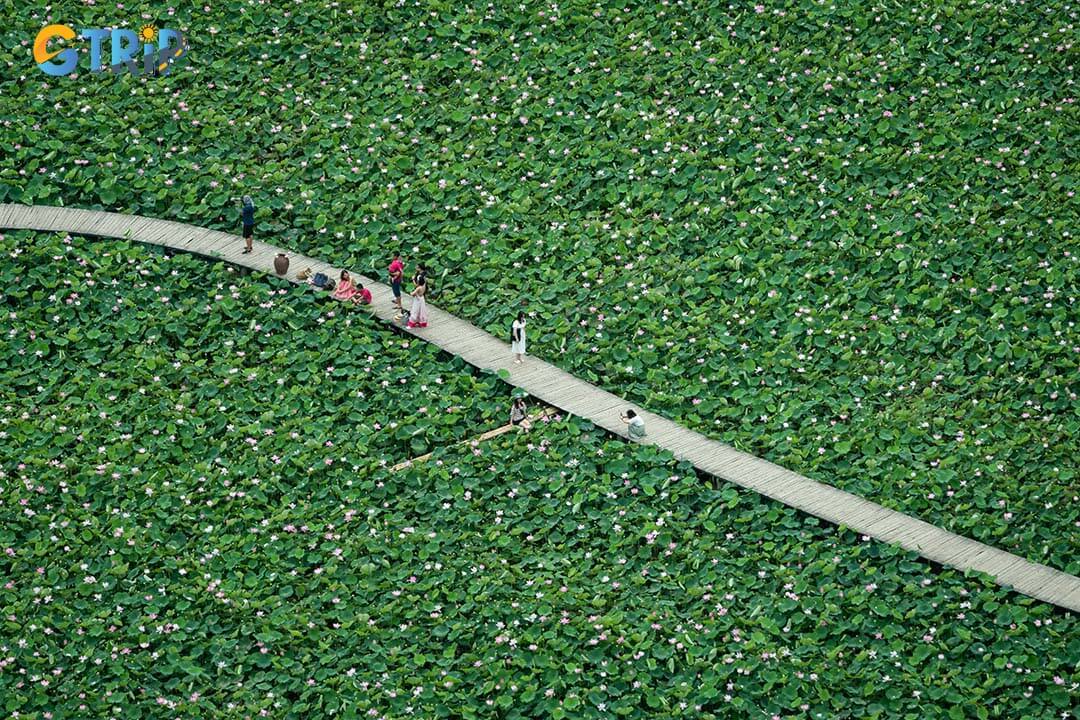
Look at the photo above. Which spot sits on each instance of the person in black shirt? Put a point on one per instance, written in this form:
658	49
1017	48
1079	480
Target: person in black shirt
247	218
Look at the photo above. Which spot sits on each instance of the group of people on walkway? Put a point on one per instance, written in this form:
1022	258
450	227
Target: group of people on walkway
347	290
418	317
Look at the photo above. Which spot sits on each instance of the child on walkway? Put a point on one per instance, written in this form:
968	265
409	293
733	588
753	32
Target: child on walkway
363	295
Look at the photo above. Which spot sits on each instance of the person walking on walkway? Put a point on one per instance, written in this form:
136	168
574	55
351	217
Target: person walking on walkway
635	426
418	311
397	273
247	219
517	338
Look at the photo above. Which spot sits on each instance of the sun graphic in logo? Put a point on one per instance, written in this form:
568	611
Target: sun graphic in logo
148	33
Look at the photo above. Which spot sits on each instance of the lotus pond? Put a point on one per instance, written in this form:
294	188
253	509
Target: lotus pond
198	521
838	236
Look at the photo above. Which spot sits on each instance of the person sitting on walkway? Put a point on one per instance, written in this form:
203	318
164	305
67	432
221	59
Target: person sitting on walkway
345	289
363	295
519	415
635	426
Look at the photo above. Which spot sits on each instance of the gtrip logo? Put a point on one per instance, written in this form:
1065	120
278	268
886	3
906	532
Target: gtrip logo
147	52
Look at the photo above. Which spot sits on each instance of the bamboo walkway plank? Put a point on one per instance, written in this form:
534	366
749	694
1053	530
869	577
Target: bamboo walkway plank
18	218
501	430
85	220
573	395
78	220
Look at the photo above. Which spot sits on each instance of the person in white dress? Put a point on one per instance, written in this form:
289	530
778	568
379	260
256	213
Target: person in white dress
517	338
418	310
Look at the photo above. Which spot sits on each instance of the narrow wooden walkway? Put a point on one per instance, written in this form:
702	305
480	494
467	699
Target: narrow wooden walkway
562	390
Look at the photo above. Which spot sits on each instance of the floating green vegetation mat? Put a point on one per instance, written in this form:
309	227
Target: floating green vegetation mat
194	532
837	235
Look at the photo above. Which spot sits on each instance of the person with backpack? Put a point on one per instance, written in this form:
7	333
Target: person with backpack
247	220
418	312
517	338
